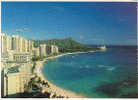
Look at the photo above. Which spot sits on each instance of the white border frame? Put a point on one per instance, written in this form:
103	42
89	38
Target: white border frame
67	1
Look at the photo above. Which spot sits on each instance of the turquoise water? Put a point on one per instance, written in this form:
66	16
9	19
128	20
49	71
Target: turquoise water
99	75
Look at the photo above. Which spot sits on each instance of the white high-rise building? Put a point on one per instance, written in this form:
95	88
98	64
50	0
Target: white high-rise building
9	43
26	46
3	42
36	52
54	49
14	84
30	46
46	49
42	49
15	43
15	49
6	43
20	44
57	51
14	81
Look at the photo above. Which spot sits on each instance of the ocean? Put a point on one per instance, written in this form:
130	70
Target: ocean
101	74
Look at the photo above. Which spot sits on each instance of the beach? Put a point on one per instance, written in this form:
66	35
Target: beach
53	88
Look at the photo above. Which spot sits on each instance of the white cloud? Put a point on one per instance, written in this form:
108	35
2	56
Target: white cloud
21	30
81	37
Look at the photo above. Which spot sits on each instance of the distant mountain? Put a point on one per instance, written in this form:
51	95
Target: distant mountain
65	45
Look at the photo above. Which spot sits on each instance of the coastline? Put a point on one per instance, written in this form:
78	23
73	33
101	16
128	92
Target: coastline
53	88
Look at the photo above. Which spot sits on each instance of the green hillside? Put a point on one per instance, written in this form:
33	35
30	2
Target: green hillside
65	45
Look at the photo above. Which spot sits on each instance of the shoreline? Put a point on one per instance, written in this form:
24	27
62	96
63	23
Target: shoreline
53	88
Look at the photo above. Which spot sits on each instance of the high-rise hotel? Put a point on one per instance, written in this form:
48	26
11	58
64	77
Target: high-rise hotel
47	49
15	46
15	51
16	63
6	43
20	44
42	49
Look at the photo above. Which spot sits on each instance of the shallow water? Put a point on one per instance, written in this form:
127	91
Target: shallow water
100	74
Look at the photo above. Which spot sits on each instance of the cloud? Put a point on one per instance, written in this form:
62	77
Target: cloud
21	30
94	41
81	37
26	29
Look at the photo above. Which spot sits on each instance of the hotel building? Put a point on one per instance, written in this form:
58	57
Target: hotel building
42	50
15	83
36	52
5	43
22	57
54	49
15	43
17	51
48	49
15	79
20	44
15	48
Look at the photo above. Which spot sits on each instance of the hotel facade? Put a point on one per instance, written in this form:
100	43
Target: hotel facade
47	49
16	62
15	51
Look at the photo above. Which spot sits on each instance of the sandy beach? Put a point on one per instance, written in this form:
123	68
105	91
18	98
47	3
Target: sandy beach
53	88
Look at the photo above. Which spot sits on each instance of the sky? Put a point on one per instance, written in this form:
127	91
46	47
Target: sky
86	22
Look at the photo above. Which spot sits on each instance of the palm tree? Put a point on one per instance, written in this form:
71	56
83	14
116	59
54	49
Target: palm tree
45	83
39	80
34	64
